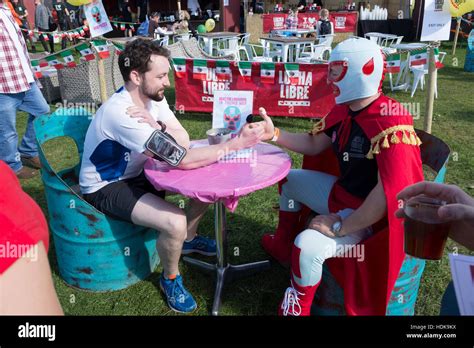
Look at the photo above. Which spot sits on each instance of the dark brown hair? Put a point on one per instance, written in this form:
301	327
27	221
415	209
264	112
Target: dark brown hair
136	56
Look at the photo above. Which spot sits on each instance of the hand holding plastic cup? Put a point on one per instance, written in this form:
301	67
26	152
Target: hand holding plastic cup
425	232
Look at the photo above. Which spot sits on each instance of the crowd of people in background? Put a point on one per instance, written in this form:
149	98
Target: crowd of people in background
49	16
59	15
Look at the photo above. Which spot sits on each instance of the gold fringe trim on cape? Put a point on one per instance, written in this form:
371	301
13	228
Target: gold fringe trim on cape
408	137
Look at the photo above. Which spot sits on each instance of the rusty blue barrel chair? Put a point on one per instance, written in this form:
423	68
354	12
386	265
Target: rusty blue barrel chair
94	252
329	299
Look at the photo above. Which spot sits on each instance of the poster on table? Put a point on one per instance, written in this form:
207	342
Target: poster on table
292	90
231	109
436	21
97	18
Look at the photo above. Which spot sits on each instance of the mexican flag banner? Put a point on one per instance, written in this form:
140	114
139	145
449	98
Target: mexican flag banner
293	73
45	37
245	69
53	61
118	48
223	72
68	58
85	52
393	63
267	72
122	27
179	65
35	64
438	63
200	69
418	57
101	48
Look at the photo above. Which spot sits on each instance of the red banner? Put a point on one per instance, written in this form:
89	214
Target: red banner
344	22
301	94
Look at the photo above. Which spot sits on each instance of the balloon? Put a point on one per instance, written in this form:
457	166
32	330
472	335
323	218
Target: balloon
460	7
201	29
79	2
210	24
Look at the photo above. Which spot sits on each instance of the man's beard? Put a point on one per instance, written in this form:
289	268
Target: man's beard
149	93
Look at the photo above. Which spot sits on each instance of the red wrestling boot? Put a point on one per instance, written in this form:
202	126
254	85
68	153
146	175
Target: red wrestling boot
298	299
279	245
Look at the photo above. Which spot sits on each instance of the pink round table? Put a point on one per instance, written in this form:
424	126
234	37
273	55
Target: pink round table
222	183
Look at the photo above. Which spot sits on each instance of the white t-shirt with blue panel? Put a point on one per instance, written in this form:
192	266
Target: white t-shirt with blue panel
115	142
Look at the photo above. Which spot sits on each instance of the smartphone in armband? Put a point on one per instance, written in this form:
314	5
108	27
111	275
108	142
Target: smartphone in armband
165	148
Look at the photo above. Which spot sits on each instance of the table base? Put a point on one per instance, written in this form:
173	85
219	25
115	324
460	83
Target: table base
227	274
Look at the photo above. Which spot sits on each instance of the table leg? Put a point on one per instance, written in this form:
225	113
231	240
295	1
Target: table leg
285	53
224	271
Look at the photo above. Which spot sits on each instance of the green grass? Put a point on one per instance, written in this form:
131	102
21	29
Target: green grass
259	295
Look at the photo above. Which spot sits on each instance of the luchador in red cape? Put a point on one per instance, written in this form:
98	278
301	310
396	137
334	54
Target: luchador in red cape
395	146
355	72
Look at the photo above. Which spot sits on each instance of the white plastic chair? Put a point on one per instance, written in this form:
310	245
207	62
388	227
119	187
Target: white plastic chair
326	39
163	40
253	56
179	37
228	46
243	45
419	72
311	53
386	44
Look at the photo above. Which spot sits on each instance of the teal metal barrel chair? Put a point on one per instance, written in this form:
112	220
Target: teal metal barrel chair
94	252
329	299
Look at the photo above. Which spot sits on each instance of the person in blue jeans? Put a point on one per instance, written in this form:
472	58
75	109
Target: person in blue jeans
18	91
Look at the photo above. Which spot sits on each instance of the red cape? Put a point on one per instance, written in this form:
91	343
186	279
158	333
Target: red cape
368	284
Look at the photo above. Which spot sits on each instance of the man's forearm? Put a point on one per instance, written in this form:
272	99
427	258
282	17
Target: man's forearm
204	156
181	137
372	210
303	143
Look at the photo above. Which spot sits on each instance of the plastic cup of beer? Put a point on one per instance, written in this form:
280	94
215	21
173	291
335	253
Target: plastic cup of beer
425	232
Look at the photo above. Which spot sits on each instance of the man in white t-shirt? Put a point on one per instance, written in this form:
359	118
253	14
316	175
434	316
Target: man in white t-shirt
112	177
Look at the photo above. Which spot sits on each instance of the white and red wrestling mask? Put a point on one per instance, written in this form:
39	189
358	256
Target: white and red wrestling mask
355	70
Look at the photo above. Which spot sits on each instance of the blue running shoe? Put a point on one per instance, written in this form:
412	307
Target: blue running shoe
201	245
178	298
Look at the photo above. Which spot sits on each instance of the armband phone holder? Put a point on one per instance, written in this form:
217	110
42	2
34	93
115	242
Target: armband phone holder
164	147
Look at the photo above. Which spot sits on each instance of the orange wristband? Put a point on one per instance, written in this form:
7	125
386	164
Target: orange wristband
276	134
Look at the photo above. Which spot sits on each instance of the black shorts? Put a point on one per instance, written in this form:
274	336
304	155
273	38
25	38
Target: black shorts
119	198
